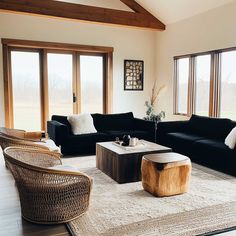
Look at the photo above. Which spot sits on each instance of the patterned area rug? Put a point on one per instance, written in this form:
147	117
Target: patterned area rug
126	209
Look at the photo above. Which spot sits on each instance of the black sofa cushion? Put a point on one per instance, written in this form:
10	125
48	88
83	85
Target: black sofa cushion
122	121
212	147
209	127
86	138
215	154
182	142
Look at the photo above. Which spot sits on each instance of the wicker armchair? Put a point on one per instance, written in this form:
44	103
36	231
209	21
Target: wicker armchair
47	196
16	138
22	134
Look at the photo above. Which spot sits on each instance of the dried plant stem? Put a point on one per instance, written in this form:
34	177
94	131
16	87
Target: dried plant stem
156	93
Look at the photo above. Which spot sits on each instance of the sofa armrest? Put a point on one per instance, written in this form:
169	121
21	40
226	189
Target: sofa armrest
145	125
57	131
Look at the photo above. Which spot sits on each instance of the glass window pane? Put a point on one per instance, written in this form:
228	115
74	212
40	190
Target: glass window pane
26	90
91	79
182	87
203	68
228	85
60	84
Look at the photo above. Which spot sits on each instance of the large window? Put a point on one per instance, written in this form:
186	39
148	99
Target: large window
211	84
44	79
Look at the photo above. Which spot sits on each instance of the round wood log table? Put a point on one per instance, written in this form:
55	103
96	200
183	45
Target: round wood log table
165	174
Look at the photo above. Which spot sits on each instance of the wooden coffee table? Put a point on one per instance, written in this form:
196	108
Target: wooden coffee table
124	166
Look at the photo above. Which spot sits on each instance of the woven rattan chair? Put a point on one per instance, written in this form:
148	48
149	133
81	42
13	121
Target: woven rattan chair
17	138
47	196
22	134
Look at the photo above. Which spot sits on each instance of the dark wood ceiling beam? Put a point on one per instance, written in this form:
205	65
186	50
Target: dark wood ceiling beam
82	12
132	4
136	7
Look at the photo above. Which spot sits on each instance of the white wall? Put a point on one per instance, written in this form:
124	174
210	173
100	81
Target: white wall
211	30
128	44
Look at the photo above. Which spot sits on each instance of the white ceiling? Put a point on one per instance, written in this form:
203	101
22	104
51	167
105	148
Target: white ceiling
113	4
168	11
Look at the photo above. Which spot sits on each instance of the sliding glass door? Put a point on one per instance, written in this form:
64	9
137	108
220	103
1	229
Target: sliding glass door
53	82
91	84
60	83
25	73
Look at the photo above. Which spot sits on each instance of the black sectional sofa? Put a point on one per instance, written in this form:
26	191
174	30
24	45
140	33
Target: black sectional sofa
108	127
202	139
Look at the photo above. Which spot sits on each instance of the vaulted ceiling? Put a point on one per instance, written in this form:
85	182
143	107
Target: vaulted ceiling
168	11
135	13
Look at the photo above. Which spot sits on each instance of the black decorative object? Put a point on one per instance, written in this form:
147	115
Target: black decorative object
133	75
126	139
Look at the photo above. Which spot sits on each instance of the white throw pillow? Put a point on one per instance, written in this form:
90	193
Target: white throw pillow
64	167
230	140
81	124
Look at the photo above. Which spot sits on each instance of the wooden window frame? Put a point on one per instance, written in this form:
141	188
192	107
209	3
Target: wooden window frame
43	48
215	82
175	91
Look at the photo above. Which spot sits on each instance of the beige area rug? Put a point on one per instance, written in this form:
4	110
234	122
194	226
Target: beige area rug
126	209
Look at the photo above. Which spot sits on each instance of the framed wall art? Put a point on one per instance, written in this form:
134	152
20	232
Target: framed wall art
133	75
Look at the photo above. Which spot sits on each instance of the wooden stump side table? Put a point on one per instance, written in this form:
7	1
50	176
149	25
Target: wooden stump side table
165	174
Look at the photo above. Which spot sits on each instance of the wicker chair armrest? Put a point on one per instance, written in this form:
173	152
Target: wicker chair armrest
33	157
71	186
76	185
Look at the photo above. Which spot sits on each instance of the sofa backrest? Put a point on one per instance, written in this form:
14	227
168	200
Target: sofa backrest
103	122
216	128
122	121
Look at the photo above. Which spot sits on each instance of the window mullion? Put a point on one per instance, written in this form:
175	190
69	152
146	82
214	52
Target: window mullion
215	85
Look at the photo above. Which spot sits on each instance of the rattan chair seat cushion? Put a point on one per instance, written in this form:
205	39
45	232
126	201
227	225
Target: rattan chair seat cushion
49	144
64	167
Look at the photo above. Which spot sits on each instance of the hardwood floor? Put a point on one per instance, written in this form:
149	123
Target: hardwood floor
11	223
